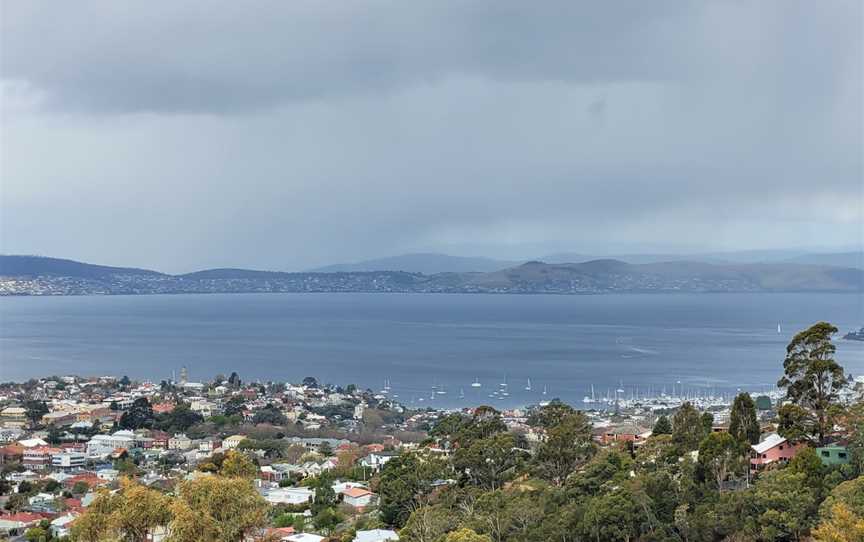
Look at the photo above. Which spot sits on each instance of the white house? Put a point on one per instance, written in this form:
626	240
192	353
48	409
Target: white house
179	442
289	495
303	537
61	526
358	497
376	535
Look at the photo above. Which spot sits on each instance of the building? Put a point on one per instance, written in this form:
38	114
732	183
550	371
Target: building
233	441
771	450
376	535
833	455
13	417
100	445
38	457
289	495
625	432
69	460
179	442
358	497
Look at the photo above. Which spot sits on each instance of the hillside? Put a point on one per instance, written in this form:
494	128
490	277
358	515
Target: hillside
426	263
11	265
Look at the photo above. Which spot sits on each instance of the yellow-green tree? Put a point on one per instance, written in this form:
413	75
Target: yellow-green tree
840	524
216	509
238	465
94	525
130	515
139	511
466	535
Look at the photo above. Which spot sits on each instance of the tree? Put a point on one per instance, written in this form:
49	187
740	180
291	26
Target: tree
234	406
783	506
707	420
687	428
269	415
138	512
139	415
38	534
662	426
720	455
310	382
179	420
35	410
466	535
217	509
840	524
404	483
489	462
325	497
326	520
237	465
743	424
567	445
234	381
550	415
813	379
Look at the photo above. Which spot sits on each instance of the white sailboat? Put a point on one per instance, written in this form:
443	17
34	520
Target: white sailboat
476	383
461	393
528	387
590	399
779	329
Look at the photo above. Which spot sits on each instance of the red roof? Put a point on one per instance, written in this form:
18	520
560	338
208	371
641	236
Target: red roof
25	517
356	492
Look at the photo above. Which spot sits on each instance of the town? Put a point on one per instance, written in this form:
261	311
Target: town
312	462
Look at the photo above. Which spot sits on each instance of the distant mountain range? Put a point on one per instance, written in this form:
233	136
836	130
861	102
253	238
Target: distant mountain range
29	275
431	263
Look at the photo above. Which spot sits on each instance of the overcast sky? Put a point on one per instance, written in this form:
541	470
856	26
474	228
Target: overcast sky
284	135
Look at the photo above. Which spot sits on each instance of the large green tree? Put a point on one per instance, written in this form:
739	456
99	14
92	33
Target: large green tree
743	424
721	456
139	415
566	446
813	379
687	427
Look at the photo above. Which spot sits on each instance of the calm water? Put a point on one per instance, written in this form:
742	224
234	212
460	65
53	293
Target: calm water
565	343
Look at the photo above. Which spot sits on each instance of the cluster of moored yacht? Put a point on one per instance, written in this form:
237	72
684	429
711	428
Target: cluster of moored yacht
502	391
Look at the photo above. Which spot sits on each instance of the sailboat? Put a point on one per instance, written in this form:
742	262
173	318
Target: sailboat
476	383
461	393
528	387
589	399
779	329
544	389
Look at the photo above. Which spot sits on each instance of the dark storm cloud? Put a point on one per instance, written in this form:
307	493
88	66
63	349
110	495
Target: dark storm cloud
288	134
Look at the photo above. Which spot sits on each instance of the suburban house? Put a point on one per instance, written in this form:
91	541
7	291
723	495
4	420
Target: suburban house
625	432
772	449
233	441
833	454
179	442
289	495
376	460
376	535
358	497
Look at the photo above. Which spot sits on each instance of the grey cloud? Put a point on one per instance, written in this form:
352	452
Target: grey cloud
291	134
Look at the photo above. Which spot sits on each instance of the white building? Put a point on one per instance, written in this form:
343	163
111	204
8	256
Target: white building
69	460
376	535
289	495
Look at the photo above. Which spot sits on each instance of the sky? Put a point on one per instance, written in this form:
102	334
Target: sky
287	135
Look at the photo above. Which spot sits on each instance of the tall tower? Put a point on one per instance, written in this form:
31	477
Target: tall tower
184	375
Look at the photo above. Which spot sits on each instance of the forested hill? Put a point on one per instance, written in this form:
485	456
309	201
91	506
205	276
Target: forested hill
29	275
